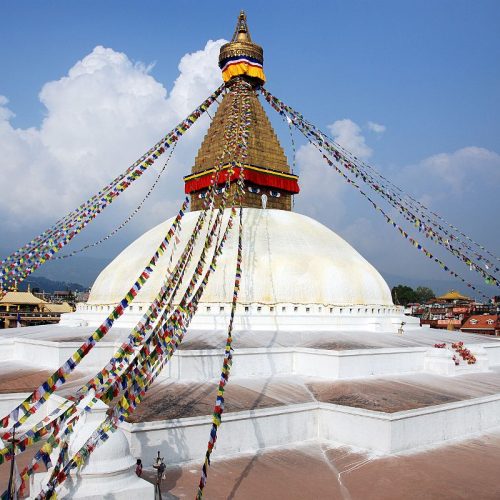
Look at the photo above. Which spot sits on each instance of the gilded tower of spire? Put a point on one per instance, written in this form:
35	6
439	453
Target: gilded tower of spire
266	171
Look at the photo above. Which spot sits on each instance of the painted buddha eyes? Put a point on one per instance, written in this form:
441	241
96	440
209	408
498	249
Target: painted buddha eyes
256	190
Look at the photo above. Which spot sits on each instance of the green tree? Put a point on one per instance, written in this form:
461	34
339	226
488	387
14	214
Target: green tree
424	294
403	295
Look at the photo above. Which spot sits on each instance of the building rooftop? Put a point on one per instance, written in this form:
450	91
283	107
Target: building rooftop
482	322
58	308
20	298
453	295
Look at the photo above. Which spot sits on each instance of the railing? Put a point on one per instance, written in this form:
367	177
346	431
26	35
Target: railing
27	315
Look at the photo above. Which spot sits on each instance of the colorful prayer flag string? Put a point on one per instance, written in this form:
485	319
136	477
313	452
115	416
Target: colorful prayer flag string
40	396
349	162
228	356
163	341
28	258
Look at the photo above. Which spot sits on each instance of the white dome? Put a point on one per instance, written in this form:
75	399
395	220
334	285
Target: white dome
287	258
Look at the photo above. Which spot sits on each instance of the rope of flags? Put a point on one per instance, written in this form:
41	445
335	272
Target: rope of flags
139	360
40	396
352	166
390	221
228	355
120	383
404	197
141	357
137	385
172	333
420	218
130	399
128	219
16	267
226	367
153	312
80	395
420	206
403	233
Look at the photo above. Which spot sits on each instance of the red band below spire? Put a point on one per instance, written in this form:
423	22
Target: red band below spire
255	175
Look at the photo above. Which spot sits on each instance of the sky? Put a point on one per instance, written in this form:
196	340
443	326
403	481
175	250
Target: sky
411	87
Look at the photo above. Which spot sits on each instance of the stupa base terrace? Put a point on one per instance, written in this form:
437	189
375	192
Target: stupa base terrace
325	470
379	393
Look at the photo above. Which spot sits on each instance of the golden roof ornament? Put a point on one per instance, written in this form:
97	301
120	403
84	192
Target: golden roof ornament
242	57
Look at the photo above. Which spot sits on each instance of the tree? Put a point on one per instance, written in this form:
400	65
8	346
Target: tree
403	295
424	294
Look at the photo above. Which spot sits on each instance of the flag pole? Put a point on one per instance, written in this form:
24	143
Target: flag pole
11	476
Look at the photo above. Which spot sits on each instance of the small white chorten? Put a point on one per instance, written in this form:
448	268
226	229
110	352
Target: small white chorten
110	470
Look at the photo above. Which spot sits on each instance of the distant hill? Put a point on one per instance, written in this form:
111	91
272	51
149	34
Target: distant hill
439	286
48	285
79	270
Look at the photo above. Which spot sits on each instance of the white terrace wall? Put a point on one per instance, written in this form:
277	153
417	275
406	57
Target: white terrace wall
186	439
263	362
242	432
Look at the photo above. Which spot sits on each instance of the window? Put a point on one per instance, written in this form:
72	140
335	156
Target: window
271	309
295	309
247	308
308	309
208	309
221	309
259	309
283	309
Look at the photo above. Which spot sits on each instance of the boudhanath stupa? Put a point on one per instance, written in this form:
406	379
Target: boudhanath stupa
333	393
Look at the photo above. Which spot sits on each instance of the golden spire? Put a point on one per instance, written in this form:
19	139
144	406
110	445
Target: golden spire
242	57
241	33
268	180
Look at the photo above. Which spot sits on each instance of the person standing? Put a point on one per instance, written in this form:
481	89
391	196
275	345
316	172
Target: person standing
138	467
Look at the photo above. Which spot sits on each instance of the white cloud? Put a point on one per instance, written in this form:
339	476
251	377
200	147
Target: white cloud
99	118
348	134
461	171
321	188
461	186
376	127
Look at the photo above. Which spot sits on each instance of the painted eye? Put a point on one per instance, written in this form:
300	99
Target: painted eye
275	194
202	195
254	189
220	190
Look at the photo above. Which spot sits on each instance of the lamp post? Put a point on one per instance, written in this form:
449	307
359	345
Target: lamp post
400	329
160	467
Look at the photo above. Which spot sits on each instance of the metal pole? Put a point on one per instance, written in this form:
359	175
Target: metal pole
11	476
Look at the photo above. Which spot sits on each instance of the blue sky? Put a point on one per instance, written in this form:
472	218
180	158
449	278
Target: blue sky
429	72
